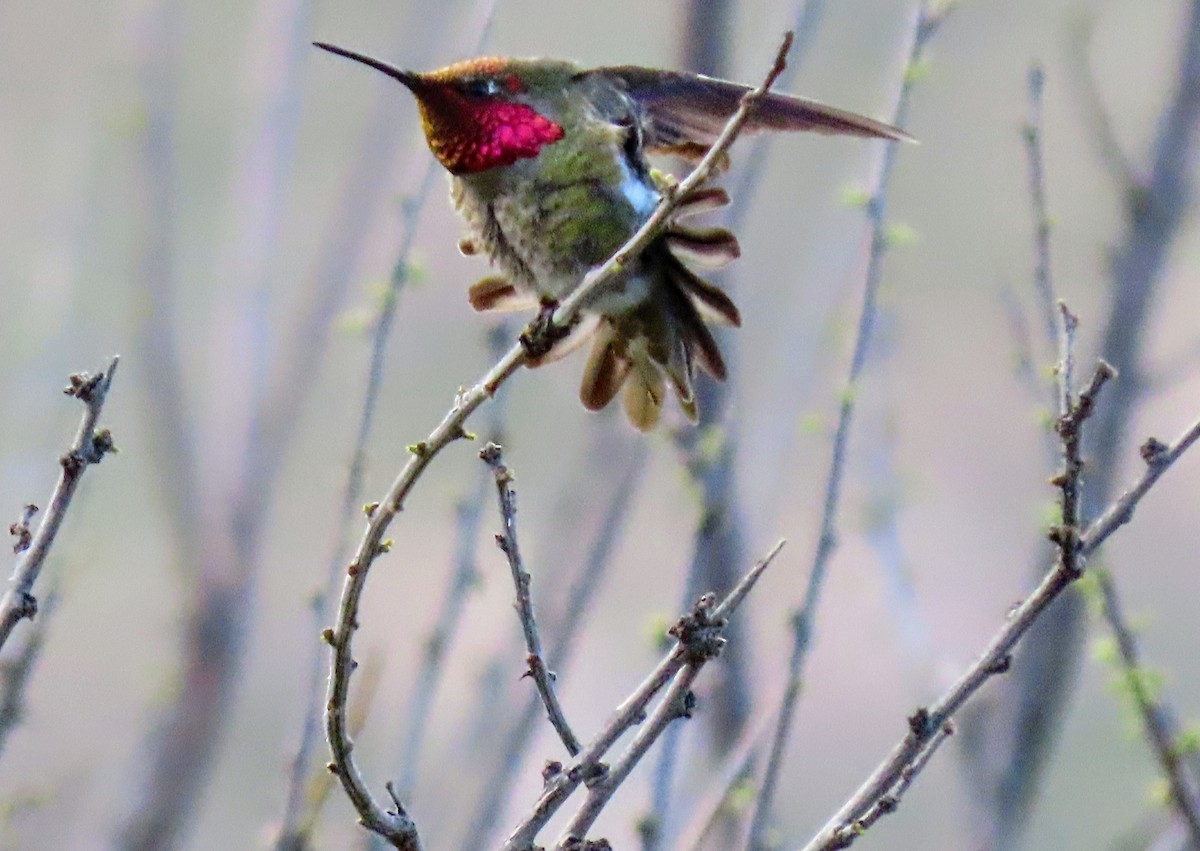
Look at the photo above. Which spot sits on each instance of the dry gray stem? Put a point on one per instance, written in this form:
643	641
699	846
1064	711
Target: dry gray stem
535	661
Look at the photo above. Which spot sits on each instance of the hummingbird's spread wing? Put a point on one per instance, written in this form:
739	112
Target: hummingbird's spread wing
682	110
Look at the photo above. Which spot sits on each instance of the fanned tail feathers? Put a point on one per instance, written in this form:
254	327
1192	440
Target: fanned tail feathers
665	338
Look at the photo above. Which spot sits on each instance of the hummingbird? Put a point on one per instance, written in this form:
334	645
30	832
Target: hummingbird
549	167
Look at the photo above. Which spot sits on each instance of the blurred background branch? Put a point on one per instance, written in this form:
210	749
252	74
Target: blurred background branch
216	509
1017	729
926	23
1157	719
16	668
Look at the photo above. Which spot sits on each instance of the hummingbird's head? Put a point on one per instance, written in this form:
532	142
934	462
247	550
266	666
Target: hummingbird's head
476	114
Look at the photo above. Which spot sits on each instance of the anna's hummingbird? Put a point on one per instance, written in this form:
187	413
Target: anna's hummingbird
548	165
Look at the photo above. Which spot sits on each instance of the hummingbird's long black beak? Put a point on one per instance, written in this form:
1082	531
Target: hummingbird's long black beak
408	78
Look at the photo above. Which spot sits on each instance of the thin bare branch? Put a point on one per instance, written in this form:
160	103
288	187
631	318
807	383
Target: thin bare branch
89	447
1071	415
543	677
889	802
677	702
1042	285
1158	457
1059	326
735	769
351	504
883	791
568	625
318	785
312	330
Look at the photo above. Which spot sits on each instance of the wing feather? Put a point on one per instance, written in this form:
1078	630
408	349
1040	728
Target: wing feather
684	109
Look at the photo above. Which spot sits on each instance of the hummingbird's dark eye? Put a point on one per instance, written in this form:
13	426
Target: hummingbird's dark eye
481	87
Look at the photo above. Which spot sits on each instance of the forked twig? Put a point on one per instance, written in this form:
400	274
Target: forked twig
841	830
697	639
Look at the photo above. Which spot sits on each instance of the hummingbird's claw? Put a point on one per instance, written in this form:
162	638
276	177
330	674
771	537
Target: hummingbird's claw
541	334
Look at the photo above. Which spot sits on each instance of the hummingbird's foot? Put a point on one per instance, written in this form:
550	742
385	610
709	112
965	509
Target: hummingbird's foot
541	334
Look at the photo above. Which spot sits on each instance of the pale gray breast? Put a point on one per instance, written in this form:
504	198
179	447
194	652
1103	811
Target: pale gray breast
491	226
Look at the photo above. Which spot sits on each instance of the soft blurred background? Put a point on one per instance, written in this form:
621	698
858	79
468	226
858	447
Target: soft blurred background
191	186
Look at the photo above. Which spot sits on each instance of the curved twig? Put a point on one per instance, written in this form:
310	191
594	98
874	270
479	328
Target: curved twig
329	282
